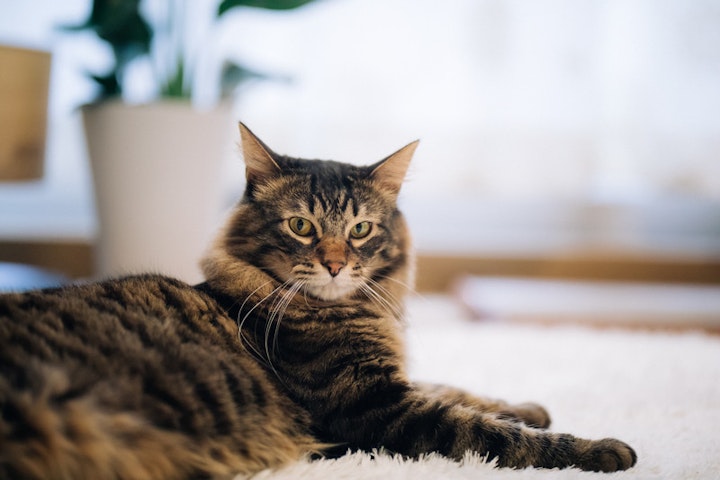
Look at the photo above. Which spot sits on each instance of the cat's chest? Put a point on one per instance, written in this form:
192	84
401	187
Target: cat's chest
330	341
320	362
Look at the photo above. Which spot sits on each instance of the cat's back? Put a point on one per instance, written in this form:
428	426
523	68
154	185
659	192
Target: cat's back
141	338
102	369
97	323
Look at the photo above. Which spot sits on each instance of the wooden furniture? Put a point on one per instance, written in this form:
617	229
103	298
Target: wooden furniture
24	82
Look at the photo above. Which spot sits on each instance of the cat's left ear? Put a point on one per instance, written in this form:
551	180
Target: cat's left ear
390	172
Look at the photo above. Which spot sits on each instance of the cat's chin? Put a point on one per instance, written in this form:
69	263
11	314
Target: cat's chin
331	291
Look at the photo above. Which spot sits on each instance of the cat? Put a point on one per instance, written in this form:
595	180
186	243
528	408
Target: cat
291	348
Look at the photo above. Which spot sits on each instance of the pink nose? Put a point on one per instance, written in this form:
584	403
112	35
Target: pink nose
334	267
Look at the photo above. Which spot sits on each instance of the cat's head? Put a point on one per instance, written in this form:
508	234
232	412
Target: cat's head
330	229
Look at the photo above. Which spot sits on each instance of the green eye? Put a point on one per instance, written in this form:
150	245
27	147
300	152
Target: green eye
361	230
301	226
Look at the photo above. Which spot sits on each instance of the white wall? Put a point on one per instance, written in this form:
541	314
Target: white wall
534	104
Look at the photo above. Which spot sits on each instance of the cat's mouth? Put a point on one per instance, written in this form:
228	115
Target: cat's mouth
328	286
331	288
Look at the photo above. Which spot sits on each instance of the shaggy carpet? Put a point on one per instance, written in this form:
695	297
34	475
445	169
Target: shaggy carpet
659	392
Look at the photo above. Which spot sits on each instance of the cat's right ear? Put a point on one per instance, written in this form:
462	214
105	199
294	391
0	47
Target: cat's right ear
259	162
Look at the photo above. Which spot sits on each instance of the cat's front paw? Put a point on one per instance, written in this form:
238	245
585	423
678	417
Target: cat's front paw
607	455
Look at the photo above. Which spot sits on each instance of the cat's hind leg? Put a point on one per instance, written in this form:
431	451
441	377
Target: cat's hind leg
531	414
62	427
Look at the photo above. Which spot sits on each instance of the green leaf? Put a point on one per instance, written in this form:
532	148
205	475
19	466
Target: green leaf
109	85
76	28
175	86
102	11
266	4
119	23
132	30
233	75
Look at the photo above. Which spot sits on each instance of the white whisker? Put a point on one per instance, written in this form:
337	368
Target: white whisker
410	289
417	295
276	313
382	297
280	313
244	341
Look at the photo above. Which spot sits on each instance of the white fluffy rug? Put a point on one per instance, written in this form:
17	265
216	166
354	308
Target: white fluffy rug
658	392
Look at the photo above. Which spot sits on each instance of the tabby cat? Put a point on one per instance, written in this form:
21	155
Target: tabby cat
291	348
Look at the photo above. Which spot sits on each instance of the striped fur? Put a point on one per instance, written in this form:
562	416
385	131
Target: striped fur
292	347
138	378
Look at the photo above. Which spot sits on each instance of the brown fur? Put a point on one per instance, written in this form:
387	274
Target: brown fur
132	379
292	346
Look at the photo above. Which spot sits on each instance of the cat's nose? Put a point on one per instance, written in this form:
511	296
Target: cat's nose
332	253
334	267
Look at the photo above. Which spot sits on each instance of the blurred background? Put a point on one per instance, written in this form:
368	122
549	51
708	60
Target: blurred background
560	139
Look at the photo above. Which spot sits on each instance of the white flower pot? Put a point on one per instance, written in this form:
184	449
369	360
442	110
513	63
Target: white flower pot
157	170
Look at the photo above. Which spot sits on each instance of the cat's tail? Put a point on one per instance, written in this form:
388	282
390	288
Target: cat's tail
53	432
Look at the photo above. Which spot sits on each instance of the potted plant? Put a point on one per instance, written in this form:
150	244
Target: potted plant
157	166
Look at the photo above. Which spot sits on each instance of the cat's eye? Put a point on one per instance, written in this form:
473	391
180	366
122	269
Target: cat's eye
361	230
301	226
